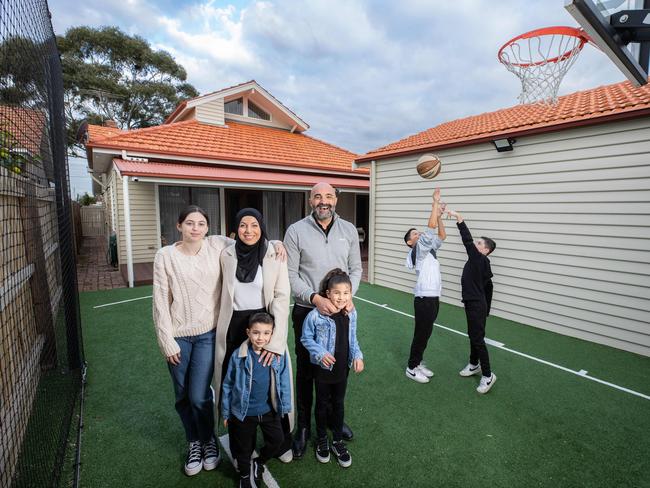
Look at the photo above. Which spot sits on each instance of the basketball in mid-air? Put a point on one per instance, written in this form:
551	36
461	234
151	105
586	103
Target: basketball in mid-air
429	166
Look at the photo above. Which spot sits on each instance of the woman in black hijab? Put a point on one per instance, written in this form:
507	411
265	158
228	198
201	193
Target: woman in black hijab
254	280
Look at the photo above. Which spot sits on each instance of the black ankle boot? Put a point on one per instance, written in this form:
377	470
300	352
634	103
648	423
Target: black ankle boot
300	442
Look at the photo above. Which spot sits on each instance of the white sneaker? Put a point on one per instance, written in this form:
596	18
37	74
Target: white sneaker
486	383
194	461
211	455
470	370
422	368
287	457
416	375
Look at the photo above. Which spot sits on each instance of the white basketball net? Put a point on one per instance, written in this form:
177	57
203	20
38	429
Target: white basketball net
540	62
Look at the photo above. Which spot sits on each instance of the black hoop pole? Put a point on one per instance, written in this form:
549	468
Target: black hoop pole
644	47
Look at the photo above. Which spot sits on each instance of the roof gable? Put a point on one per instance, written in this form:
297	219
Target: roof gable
252	90
598	105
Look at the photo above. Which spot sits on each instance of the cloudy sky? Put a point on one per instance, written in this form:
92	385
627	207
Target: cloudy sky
362	73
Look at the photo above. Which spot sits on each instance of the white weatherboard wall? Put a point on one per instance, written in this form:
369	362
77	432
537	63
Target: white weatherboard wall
211	112
144	229
570	212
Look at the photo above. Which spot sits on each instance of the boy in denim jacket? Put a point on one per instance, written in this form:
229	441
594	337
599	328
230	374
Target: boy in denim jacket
333	348
252	395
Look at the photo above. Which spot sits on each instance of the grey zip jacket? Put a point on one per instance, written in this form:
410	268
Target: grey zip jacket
311	254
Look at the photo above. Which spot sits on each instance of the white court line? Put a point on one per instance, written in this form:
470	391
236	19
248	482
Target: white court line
224	440
122	301
582	373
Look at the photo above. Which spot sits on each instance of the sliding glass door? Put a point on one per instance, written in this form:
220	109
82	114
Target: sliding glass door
173	199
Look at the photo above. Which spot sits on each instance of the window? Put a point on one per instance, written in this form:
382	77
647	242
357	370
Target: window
257	113
173	199
235	107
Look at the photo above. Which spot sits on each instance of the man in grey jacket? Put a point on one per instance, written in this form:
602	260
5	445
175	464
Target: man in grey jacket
315	245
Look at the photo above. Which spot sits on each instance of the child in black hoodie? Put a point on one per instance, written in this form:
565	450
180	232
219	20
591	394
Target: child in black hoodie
476	284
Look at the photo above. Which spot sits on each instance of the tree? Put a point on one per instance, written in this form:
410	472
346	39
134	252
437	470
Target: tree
86	199
109	75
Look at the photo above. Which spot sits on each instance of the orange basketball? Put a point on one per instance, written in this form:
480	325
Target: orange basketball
429	166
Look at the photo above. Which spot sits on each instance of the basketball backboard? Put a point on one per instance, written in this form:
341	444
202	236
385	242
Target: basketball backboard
619	33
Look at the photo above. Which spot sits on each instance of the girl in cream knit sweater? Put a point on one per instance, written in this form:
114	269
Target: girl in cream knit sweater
186	293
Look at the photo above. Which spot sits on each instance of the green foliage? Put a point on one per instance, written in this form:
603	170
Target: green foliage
108	74
86	199
12	156
22	71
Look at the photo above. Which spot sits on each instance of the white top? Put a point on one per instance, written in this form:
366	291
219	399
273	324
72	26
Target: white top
249	296
427	268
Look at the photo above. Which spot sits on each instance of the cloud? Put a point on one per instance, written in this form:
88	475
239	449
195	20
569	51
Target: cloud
362	73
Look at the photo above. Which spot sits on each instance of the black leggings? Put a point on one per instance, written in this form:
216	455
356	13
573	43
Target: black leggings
243	435
476	313
426	311
330	395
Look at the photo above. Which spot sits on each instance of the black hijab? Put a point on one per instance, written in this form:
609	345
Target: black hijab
249	257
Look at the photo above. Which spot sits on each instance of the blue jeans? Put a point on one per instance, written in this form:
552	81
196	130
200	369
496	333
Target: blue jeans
192	378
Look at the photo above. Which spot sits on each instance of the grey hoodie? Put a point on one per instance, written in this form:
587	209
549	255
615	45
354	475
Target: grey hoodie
311	254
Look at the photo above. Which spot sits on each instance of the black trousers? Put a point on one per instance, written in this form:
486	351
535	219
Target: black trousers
304	371
426	311
476	313
330	408
243	437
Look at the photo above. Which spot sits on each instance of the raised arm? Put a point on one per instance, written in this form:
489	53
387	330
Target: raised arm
465	234
434	215
442	232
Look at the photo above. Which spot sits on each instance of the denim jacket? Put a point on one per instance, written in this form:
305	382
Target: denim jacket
319	337
236	389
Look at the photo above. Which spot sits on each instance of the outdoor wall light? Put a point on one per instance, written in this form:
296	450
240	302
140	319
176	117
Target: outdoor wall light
503	145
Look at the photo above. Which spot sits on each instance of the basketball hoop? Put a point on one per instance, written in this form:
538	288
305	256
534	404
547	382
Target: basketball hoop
540	59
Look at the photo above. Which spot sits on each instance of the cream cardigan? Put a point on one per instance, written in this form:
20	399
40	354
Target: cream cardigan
276	301
186	292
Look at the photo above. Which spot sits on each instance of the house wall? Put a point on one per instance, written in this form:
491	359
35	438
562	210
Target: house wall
144	228
109	202
570	213
210	112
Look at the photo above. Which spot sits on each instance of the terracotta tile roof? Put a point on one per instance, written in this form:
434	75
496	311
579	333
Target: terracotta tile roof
99	132
234	142
27	126
220	173
598	105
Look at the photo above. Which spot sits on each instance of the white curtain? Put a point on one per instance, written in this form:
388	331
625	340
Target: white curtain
272	201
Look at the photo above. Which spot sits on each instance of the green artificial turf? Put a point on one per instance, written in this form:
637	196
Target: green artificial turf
539	426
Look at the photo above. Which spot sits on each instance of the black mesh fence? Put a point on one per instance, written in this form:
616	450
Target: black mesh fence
41	353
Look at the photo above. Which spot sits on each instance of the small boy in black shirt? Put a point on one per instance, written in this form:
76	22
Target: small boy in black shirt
476	284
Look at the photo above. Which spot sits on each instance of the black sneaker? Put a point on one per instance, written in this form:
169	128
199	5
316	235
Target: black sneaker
323	450
211	455
245	482
341	454
258	471
194	461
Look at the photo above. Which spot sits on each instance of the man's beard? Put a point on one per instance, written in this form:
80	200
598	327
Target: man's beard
329	213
